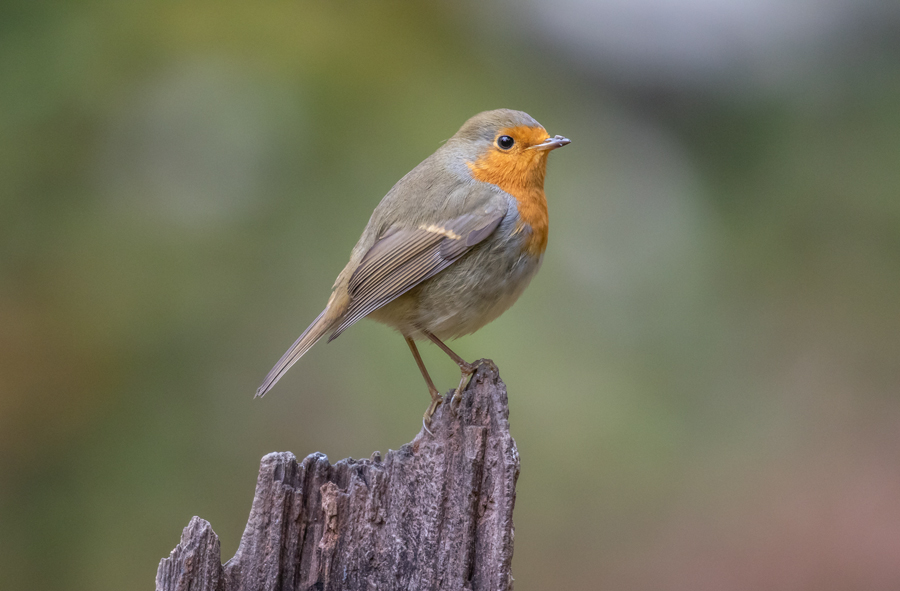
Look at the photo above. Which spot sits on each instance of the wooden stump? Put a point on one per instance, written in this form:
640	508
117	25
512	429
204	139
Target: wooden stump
435	514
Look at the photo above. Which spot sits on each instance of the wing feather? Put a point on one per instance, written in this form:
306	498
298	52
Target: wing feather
405	257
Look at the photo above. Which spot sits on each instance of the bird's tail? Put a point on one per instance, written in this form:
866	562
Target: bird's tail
315	331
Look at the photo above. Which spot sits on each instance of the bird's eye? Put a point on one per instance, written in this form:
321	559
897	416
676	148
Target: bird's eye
505	142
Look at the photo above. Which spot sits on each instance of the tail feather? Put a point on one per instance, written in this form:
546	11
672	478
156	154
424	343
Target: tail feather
313	333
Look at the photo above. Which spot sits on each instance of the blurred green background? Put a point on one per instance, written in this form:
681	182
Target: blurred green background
704	378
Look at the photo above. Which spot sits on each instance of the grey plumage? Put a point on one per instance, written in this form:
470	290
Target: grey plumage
436	217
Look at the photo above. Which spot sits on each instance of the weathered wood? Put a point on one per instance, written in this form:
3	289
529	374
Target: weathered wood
435	514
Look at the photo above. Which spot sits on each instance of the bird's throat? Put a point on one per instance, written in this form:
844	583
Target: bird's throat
523	178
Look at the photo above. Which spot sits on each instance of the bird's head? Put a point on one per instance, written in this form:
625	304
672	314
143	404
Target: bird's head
507	148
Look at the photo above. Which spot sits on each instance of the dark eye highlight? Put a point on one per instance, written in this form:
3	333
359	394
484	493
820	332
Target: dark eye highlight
505	142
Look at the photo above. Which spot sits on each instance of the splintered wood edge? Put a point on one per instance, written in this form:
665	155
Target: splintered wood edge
308	517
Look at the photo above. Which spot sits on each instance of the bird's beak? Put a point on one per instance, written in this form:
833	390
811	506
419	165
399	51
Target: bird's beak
551	143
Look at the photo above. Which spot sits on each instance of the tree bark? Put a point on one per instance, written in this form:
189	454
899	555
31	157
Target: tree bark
435	514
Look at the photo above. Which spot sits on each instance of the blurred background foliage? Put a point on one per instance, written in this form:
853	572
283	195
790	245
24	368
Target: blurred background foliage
704	378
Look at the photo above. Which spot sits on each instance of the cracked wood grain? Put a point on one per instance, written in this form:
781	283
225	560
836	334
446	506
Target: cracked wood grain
435	514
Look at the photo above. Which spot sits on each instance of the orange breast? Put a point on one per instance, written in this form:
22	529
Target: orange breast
520	172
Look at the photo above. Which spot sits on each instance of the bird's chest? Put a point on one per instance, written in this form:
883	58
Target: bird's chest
533	219
484	284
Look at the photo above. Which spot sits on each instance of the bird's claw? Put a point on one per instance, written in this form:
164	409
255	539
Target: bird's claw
436	401
456	396
467	373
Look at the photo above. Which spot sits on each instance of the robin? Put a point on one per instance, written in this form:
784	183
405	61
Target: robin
450	247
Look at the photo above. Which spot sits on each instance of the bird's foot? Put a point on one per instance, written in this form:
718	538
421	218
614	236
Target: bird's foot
436	401
467	371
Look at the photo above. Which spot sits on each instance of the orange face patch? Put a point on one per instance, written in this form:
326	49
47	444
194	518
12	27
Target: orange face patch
520	172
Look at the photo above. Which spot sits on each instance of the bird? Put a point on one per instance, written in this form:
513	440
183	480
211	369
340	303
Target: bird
449	248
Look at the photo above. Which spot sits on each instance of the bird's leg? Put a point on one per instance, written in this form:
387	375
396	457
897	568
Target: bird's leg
436	399
466	369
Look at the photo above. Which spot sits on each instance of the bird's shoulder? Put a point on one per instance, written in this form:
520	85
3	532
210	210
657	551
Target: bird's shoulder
438	190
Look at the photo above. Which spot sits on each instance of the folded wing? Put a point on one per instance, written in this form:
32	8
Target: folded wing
404	257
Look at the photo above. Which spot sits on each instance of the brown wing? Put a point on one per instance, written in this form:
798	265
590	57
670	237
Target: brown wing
403	258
